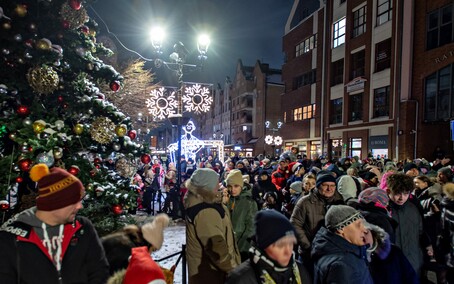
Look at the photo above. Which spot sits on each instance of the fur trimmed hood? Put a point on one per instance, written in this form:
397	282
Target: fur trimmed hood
382	244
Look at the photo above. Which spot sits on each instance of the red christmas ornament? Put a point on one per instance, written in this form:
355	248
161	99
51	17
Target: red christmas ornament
93	172
30	149
65	24
145	158
85	29
97	160
25	165
114	86
23	110
75	4
29	42
74	170
132	134
4	205
60	98
117	209
19	179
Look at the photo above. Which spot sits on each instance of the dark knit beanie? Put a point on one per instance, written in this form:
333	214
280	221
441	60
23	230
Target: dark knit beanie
374	195
340	216
57	188
324	178
270	226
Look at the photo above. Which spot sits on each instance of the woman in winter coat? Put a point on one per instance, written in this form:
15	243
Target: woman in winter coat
261	187
242	210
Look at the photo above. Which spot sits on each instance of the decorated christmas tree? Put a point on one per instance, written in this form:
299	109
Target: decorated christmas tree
53	112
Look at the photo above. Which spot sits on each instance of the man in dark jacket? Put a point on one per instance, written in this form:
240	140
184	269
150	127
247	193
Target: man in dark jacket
339	250
48	243
271	255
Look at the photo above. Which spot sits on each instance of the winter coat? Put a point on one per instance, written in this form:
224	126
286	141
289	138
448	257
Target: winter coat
211	248
242	212
26	260
260	188
388	264
379	216
446	239
308	216
409	232
250	271
346	186
429	198
279	178
338	261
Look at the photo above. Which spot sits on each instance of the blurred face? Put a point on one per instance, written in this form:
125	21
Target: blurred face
412	172
420	184
308	184
399	198
282	250
282	165
235	189
327	189
441	178
67	214
355	233
264	177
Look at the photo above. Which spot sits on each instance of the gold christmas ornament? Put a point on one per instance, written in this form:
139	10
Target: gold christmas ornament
58	153
74	18
102	130
43	44
39	126
121	130
125	168
43	80
78	128
21	10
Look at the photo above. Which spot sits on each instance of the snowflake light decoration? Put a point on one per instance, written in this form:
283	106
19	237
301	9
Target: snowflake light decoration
278	140
162	102
269	139
197	99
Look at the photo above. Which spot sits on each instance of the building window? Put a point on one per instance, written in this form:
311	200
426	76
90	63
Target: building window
439	88
336	148
297	114
309	111
355	147
335	111
339	32
356	107
439	27
359	21
305	79
383	55
381	102
305	46
384	11
337	72
358	63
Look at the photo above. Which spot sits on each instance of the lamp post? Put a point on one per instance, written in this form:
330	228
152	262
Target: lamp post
178	64
273	140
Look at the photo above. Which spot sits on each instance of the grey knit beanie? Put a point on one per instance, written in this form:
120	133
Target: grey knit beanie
340	216
297	186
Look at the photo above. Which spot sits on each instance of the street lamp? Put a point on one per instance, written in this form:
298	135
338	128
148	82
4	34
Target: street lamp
196	98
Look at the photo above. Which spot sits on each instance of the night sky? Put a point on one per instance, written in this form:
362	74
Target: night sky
249	30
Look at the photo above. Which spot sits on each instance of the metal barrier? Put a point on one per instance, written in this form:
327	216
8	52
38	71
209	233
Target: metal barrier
182	257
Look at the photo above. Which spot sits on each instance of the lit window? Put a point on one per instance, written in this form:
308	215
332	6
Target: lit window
297	114
339	32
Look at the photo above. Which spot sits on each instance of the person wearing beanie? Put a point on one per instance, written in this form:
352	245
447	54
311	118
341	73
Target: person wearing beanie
444	175
49	243
141	269
339	248
242	210
280	175
261	187
211	248
310	211
296	192
271	258
118	245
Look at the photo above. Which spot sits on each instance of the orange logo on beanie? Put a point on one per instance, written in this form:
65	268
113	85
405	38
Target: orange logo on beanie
57	187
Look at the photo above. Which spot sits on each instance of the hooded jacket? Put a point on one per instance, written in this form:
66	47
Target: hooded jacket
211	248
338	261
242	211
25	259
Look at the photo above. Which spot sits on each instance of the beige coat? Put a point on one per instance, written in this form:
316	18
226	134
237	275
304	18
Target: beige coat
211	248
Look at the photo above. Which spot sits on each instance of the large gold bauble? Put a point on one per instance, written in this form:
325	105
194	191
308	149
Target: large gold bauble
39	126
78	129
43	44
102	130
43	80
121	130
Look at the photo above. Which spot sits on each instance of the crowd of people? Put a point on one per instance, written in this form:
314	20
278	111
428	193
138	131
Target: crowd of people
286	220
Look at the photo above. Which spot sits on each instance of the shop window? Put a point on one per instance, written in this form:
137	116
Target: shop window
336	148
355	147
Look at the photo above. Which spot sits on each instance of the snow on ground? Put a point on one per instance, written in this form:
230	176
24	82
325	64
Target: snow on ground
174	238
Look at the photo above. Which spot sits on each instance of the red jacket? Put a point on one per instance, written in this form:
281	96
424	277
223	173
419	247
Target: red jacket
279	178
